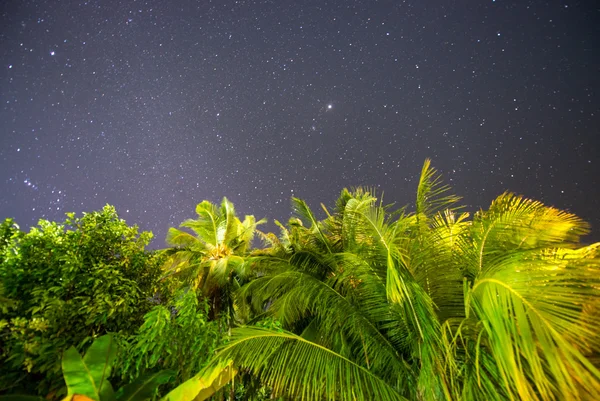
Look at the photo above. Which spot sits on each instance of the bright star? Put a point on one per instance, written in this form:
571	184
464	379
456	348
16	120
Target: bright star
52	53
330	106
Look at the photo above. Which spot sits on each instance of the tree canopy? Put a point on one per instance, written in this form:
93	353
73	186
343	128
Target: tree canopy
370	302
64	284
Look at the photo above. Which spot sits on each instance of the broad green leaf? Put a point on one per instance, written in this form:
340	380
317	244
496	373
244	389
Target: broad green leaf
204	384
77	376
144	387
99	359
88	376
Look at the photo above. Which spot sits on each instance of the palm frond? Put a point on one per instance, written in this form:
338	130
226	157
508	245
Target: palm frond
293	366
302	210
181	238
285	234
304	296
432	193
470	369
313	263
228	223
206	225
182	262
352	219
245	233
537	330
436	266
516	224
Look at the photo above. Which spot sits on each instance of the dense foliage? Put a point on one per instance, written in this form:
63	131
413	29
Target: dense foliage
370	302
88	377
212	260
175	336
428	305
64	284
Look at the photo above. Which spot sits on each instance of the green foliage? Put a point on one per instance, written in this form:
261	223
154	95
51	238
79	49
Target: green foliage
368	303
213	261
9	233
175	336
205	384
428	305
312	372
88	376
68	283
145	386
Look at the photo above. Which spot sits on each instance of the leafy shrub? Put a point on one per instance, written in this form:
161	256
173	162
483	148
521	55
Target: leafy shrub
176	336
66	284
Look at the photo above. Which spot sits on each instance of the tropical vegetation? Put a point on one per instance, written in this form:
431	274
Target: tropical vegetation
64	284
369	302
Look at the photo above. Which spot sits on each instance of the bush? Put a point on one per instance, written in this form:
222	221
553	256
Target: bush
64	284
175	336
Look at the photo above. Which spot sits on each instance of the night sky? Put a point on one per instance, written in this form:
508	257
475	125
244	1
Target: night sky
154	106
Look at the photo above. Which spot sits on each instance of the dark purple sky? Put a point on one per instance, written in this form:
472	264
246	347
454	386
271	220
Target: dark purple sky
153	106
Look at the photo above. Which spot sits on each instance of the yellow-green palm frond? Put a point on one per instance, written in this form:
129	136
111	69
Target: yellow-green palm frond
433	261
206	225
302	210
304	296
284	234
536	326
352	219
182	262
516	222
179	238
471	371
272	244
296	367
246	230
227	223
432	194
447	226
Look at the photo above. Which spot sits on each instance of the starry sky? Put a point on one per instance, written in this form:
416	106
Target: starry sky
154	106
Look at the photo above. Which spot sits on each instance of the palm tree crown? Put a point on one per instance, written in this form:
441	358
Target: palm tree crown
212	260
387	304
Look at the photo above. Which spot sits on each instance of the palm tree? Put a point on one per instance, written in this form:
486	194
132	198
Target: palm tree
212	260
426	305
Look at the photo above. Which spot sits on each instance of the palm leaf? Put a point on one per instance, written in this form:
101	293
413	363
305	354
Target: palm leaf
436	263
185	263
293	366
514	223
431	193
301	209
181	238
205	384
532	312
246	231
304	296
227	228
206	225
88	376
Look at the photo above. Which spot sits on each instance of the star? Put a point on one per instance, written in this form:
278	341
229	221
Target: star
218	109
